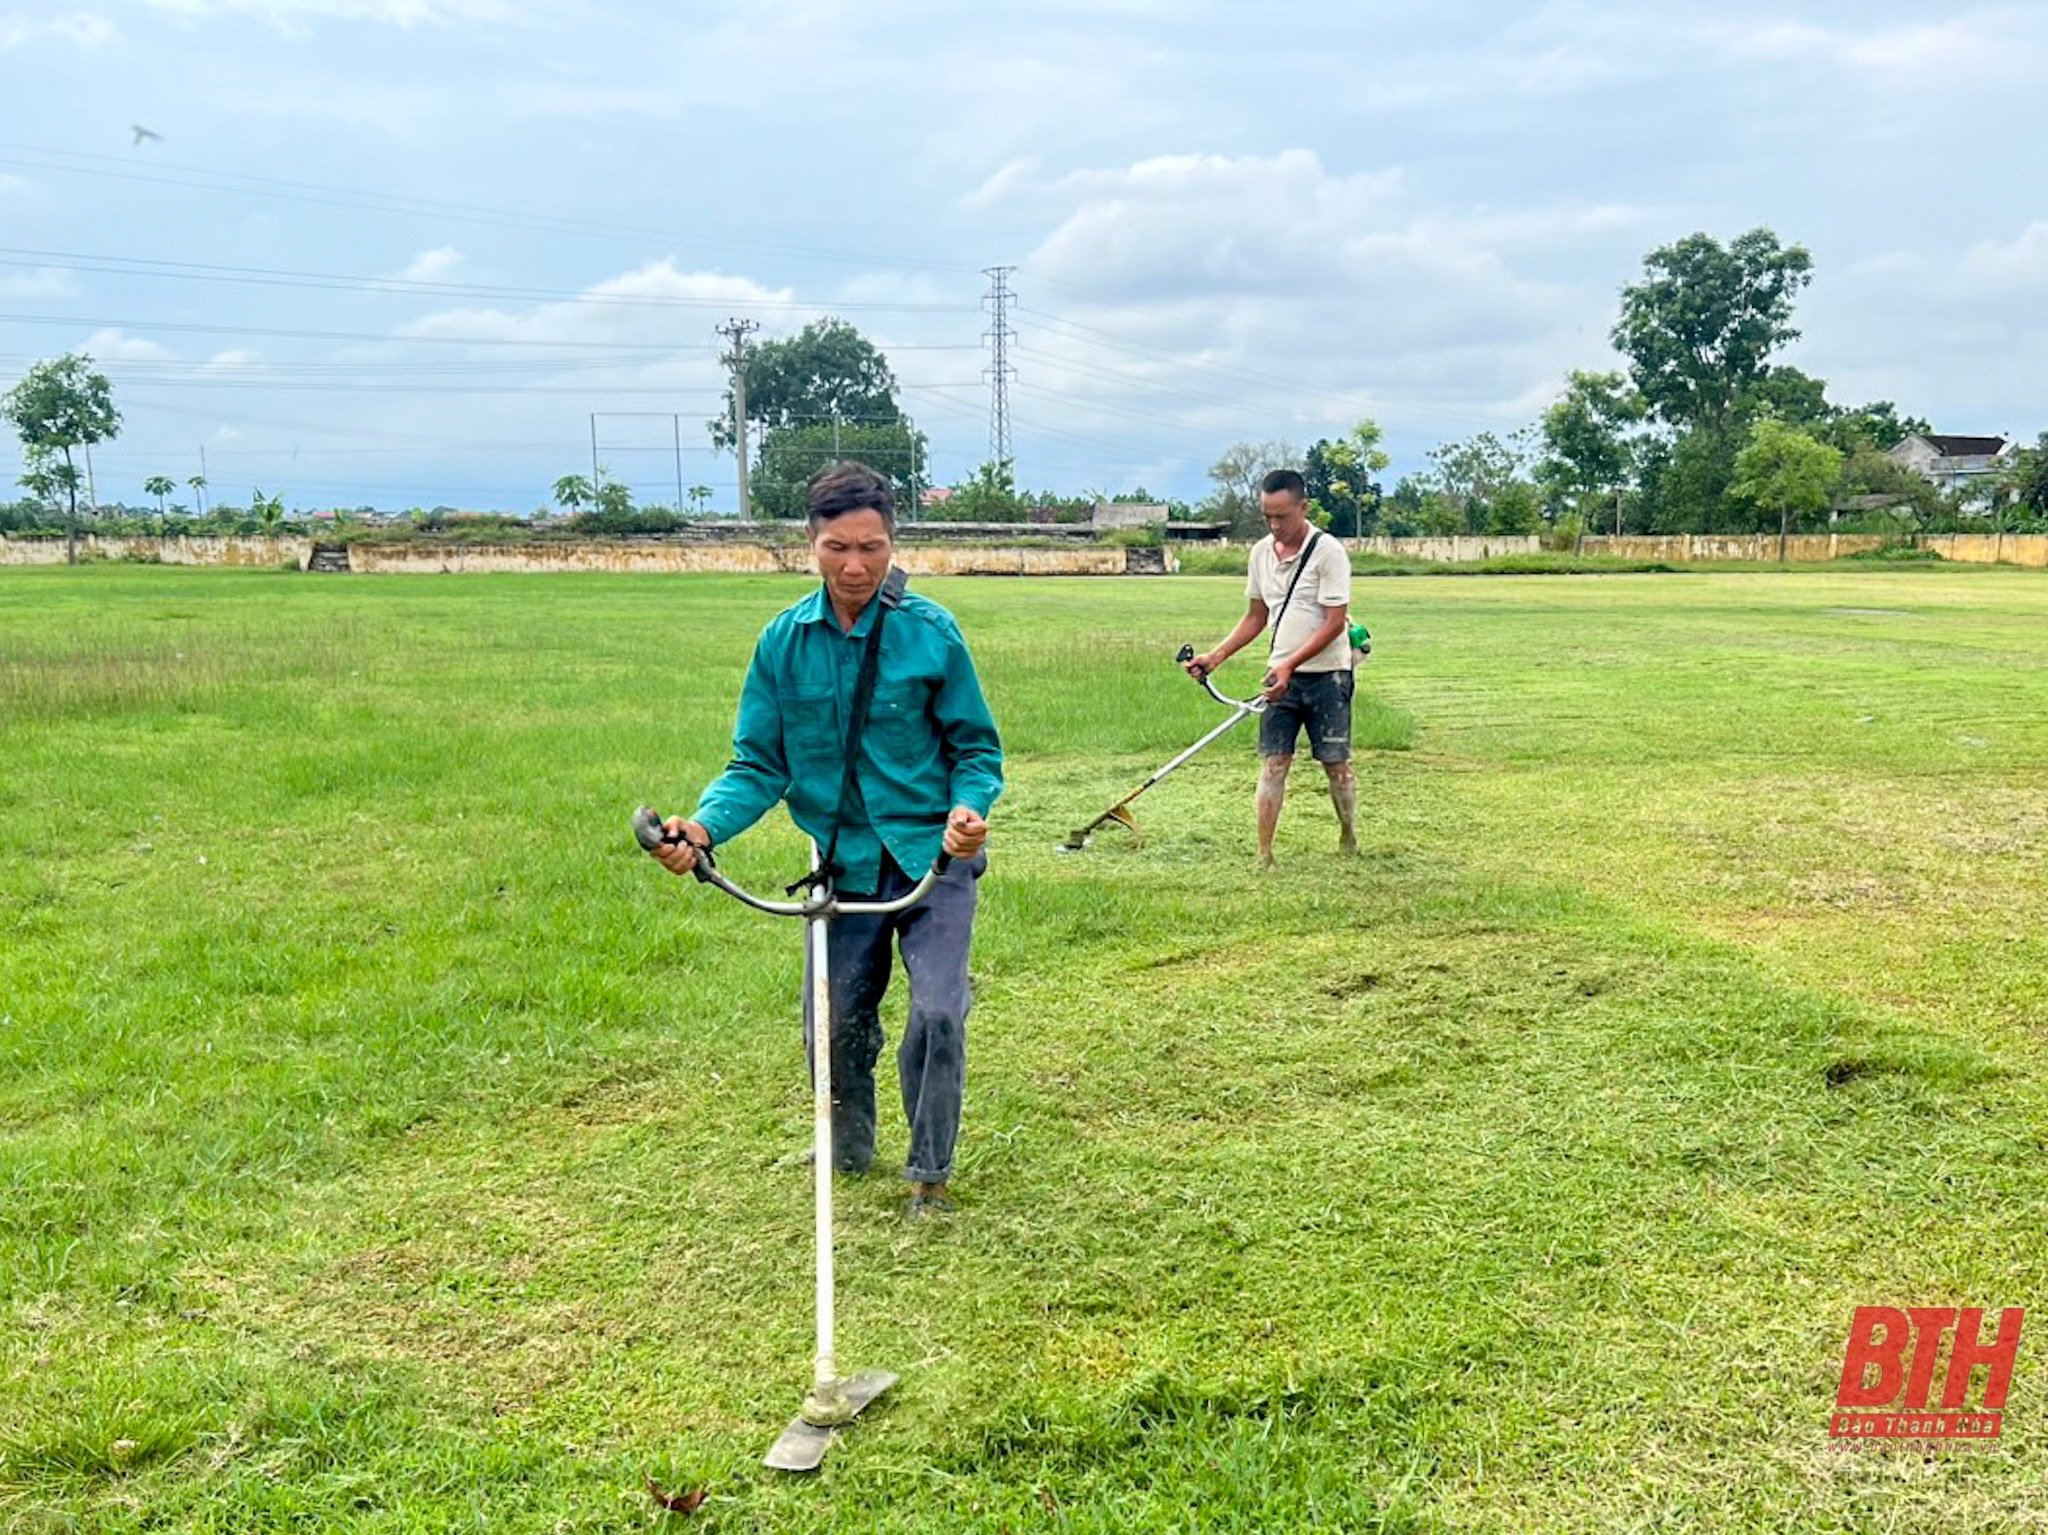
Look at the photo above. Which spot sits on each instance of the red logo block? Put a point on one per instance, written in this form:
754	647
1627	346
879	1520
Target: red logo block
1891	1362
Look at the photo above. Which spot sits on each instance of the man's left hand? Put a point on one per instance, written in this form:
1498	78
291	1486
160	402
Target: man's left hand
966	832
1276	683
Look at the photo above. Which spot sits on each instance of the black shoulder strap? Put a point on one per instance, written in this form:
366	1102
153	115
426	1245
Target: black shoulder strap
1307	548
857	724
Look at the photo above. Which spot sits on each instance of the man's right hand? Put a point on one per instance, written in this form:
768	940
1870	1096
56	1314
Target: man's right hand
1204	664
682	841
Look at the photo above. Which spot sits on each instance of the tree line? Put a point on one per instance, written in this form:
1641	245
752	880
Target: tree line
1704	432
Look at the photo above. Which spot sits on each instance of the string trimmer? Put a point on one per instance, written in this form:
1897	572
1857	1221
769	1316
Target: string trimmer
1240	709
834	1400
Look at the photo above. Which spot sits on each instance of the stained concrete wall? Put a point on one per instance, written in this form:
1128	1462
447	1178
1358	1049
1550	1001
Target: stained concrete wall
1452	550
2026	549
1448	550
271	552
678	558
2029	549
925	560
1706	548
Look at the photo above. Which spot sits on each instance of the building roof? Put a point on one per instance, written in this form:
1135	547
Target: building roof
1964	447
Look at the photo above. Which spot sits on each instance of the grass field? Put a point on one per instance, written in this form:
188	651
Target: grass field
386	1145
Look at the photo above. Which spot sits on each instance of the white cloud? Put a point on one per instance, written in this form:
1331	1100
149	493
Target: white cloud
680	305
233	360
82	28
39	282
1959	48
1208	289
115	345
1952	335
431	265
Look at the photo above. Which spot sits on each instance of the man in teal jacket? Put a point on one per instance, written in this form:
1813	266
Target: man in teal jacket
930	768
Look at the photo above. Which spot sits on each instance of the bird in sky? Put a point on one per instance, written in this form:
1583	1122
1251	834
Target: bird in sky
144	136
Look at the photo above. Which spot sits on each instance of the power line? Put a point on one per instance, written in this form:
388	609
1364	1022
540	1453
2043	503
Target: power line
176	174
401	339
200	271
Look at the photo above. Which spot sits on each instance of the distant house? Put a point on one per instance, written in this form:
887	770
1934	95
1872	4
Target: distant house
1128	514
1954	463
936	495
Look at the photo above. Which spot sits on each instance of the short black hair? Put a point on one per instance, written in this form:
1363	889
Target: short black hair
1285	482
848	486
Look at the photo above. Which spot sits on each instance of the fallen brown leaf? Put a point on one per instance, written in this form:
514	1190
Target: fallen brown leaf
674	1502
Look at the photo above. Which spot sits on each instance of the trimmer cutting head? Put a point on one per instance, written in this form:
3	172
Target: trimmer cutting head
1079	838
803	1444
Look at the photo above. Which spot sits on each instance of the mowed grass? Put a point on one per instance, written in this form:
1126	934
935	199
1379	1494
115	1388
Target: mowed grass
386	1145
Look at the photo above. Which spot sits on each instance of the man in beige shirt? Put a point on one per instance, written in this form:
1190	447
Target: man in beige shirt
1299	583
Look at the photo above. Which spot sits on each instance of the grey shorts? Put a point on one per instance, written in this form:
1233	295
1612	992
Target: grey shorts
1321	701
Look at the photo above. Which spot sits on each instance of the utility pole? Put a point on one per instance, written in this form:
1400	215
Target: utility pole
999	336
736	331
205	479
596	477
910	436
676	423
92	494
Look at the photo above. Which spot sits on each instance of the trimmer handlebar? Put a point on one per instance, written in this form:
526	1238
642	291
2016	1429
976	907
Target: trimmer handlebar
649	833
1248	705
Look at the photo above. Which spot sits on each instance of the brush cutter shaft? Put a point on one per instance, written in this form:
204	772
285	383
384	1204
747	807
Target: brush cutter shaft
1242	713
825	1372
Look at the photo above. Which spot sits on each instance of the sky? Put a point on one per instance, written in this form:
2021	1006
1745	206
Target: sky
416	252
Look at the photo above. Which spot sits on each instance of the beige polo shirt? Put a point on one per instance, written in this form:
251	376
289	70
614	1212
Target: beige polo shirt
1325	584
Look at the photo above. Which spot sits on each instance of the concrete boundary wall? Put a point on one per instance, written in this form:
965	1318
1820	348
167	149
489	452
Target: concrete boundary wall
2029	549
654	557
271	552
934	559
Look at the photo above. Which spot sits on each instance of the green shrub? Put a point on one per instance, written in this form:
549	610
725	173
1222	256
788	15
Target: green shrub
1897	553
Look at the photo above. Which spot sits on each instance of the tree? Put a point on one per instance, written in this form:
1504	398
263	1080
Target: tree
990	495
1515	509
1471	474
1587	452
790	455
1795	398
1236	476
572	491
1340	479
1870	471
1700	328
827	371
198	484
699	495
60	405
160	486
269	511
47	480
2024	482
1786	470
1878	426
614	499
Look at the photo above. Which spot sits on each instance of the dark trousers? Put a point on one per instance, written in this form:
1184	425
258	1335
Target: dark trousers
933	937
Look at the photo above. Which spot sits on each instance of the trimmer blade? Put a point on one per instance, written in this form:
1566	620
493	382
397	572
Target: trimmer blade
802	1445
